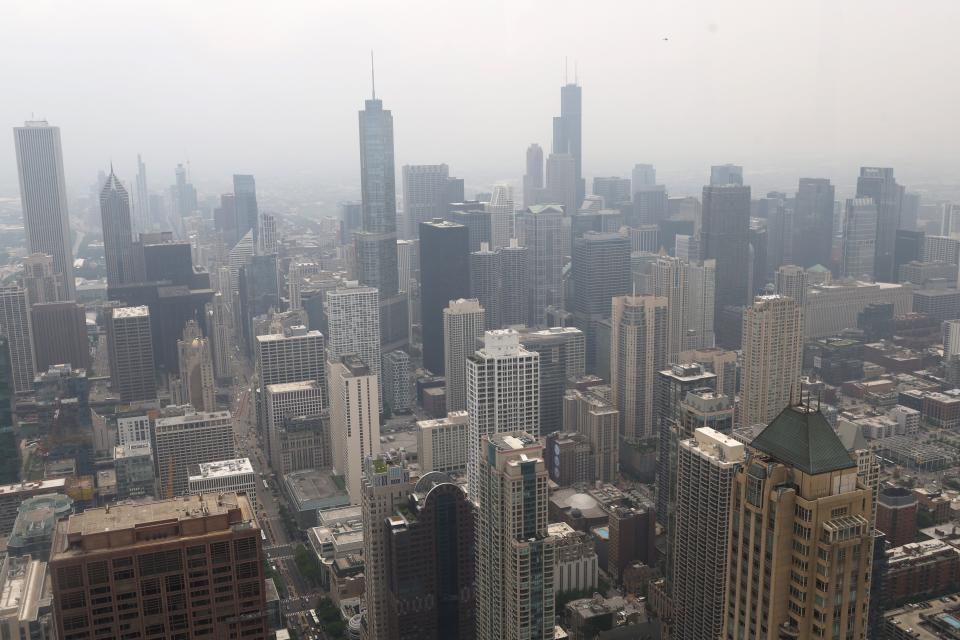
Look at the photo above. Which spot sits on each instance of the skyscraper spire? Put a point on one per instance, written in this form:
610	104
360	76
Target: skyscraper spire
373	77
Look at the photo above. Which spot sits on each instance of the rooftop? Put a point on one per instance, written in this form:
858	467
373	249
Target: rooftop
802	438
131	312
223	468
56	484
513	440
300	385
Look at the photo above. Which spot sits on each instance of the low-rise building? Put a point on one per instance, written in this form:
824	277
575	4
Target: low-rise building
576	567
918	568
235	475
25	600
442	443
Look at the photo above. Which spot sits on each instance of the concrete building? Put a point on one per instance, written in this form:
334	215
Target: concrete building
599	421
791	282
823	518
442	443
516	556
222	476
424	191
690	292
638	349
134	467
354	420
897	515
533	184
289	400
860	239
831	308
503	392
772	357
132	367
600	270
304	443
192	438
196	369
354	326
133	428
463	322
576	566
36	522
398	377
16	325
547	243
25	599
220	332
143	550
562	358
43	198
41	280
385	486
706	465
294	355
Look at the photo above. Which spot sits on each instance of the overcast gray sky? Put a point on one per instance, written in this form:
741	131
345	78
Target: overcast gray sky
272	88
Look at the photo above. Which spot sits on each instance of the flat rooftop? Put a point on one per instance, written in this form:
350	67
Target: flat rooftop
222	468
315	489
56	484
131	312
513	440
301	385
199	416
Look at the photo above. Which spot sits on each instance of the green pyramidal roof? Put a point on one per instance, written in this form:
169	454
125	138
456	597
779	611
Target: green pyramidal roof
802	438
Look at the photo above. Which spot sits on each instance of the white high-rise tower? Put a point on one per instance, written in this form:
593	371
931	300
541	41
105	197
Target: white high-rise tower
772	355
463	323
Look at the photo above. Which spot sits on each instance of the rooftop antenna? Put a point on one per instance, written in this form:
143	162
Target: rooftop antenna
373	77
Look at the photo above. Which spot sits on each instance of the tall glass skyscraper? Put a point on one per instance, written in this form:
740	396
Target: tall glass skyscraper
567	130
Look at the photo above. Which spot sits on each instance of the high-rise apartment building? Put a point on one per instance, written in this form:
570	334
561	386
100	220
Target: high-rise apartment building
442	443
600	272
813	223
424	191
597	419
724	234
41	281
386	485
502	213
791	281
860	239
546	242
690	292
706	466
398	381
158	562
879	184
801	540
444	276
117	233
188	439
353	323
354	419
503	391
43	197
772	356
196	369
62	327
567	135
562	358
499	280
130	345
430	556
638	350
16	326
515	554
462	326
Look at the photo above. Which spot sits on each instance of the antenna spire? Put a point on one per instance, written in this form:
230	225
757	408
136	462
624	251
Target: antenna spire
373	77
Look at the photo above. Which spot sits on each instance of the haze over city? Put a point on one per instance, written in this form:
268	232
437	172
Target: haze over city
786	89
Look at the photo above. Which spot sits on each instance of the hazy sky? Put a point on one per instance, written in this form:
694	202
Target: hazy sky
272	88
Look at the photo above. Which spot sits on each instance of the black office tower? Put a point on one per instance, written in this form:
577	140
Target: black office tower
601	271
444	276
724	233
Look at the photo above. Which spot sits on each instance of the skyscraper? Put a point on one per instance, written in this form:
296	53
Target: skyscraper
222	538
706	466
220	330
515	554
808	576
43	197
398	381
613	189
561	184
690	292
503	392
725	236
132	368
724	174
294	355
424	190
354	419
196	368
533	177
430	557
562	358
117	233
142	218
878	183
353	325
638	350
15	324
62	331
567	133
189	439
463	324
444	276
485	282
41	281
284	402
544	237
643	175
772	355
650	205
791	281
184	194
860	239
600	272
386	485
501	213
245	206
813	223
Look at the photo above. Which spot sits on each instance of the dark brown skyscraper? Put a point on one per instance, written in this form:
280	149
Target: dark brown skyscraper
60	335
